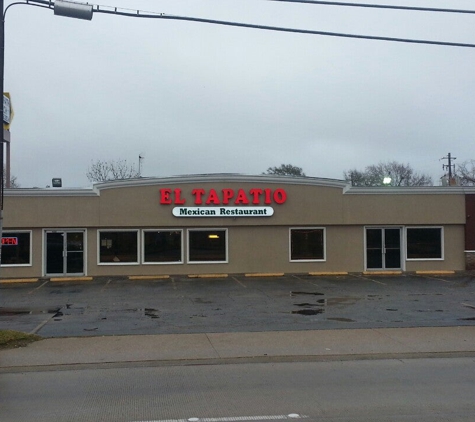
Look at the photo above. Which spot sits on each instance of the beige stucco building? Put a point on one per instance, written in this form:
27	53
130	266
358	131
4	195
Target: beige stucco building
216	224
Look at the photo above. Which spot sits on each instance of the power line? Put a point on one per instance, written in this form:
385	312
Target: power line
378	6
282	29
149	15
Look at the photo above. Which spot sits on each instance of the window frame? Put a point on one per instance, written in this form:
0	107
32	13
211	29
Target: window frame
181	262
442	249
137	231
30	252
324	239
203	229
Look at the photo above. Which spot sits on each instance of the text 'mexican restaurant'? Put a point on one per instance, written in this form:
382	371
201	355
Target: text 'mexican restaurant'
228	223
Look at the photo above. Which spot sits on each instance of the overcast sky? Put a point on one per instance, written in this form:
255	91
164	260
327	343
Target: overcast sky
196	98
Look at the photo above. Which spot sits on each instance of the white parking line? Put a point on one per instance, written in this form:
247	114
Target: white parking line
106	285
239	281
433	278
290	416
367	278
39	287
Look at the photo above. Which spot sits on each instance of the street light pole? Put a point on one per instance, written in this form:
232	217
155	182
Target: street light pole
2	77
65	8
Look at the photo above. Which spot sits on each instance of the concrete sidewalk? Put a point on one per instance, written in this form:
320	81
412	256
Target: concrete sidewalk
324	344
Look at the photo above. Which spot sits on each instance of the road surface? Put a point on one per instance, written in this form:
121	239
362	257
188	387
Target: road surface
393	390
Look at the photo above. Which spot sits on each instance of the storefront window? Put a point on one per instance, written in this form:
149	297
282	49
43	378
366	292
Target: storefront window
16	248
162	246
207	245
118	247
424	242
307	244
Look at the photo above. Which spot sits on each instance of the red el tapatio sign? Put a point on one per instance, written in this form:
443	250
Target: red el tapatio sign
224	203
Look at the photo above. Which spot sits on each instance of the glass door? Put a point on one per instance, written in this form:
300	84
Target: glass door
383	248
74	253
64	252
54	253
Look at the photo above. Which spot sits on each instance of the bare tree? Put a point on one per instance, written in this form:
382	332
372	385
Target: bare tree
102	171
285	170
400	175
13	181
466	173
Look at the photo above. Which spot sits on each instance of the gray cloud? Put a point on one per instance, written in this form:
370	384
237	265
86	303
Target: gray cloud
195	98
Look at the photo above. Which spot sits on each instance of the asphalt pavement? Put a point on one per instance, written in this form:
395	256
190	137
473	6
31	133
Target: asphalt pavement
180	320
182	305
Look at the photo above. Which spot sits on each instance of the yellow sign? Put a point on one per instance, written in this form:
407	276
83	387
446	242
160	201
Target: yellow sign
7	111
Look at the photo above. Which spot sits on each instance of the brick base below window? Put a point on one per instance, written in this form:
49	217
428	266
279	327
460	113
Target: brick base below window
470	260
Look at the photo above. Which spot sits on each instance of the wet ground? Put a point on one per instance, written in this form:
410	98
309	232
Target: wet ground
115	306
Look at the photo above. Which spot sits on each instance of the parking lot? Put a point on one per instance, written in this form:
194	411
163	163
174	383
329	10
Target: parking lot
118	306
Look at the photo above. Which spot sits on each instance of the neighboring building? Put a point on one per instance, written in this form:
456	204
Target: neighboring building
224	223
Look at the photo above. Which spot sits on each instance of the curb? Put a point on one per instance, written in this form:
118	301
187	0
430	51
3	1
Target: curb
232	360
441	272
19	280
61	279
225	275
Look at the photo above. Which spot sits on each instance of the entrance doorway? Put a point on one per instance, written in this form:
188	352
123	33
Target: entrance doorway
383	248
64	252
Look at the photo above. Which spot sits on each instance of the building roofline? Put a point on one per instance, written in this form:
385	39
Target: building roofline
222	178
408	190
51	192
243	178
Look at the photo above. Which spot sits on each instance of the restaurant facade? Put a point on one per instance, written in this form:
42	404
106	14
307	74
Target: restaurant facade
227	223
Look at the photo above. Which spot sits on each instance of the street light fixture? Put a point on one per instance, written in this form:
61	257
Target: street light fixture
71	9
65	8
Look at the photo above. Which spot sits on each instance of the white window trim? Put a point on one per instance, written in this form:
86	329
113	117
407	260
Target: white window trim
442	249
31	248
181	262
117	263
202	230
324	244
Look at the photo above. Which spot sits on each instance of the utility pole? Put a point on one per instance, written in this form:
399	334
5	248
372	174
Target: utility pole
2	75
449	166
66	8
140	165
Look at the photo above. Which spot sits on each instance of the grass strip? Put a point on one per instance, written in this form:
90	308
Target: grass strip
10	339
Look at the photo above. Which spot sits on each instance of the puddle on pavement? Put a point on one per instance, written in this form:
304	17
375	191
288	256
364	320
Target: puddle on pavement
430	310
306	293
27	311
308	311
150	312
306	304
200	300
466	319
334	301
322	303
